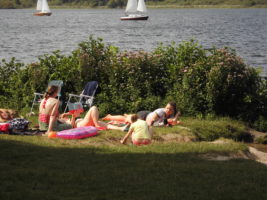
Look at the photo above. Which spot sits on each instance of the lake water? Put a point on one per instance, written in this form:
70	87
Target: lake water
26	37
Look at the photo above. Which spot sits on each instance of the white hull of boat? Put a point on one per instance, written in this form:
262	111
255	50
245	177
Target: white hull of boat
134	17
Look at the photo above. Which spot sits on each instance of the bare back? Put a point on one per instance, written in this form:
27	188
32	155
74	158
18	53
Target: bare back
47	107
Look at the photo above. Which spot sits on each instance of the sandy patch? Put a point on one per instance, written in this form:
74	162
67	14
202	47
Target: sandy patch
172	137
258	155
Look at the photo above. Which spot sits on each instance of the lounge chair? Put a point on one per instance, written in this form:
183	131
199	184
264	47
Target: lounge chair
86	98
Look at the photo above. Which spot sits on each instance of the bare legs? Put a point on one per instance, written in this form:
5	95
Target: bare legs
126	118
120	118
92	119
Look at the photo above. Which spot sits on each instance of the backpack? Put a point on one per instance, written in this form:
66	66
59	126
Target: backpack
19	124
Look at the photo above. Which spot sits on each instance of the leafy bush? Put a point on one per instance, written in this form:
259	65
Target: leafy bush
204	83
9	90
260	124
232	86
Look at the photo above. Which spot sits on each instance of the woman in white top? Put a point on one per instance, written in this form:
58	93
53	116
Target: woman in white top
163	116
159	117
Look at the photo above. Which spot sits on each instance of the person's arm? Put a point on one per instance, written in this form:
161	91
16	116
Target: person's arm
152	119
73	119
174	120
53	117
123	141
65	115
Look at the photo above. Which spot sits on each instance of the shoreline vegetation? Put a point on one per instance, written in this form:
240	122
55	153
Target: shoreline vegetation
205	157
205	83
152	4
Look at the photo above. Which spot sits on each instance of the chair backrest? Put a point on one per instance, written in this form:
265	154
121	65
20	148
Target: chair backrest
90	88
58	83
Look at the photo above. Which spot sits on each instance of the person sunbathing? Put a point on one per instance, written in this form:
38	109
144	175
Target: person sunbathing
7	114
4	115
160	117
92	119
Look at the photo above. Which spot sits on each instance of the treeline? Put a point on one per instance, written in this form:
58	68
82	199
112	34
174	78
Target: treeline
10	4
204	83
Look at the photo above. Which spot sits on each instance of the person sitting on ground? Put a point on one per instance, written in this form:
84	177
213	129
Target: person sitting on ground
49	113
140	132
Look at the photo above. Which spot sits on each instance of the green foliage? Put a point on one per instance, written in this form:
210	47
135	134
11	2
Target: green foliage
204	83
232	87
261	140
260	124
186	67
116	3
210	130
9	72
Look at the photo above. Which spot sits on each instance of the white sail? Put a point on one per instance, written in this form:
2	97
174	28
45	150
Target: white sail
131	6
39	5
45	7
141	6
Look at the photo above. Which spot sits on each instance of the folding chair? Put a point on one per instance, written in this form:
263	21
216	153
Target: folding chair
38	96
86	98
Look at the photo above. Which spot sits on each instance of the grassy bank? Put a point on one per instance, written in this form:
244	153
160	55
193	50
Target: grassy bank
35	167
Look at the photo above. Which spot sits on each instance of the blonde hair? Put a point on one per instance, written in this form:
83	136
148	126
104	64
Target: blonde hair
4	118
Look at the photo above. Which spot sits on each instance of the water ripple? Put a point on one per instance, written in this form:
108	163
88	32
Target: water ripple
26	37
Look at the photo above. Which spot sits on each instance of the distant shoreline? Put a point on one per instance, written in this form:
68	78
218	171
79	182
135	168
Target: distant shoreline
163	6
157	6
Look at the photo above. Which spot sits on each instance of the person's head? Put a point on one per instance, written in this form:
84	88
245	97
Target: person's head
170	109
134	118
13	113
4	115
51	91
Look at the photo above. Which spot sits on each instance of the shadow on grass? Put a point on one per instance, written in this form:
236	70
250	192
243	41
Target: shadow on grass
28	172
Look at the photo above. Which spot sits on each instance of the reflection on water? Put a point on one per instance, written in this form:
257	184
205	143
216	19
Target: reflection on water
26	37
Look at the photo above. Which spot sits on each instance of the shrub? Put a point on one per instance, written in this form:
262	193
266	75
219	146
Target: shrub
8	83
260	124
204	83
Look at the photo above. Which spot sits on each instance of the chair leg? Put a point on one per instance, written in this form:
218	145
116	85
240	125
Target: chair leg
34	99
67	104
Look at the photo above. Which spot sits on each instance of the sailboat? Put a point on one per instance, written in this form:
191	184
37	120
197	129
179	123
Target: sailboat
42	8
135	11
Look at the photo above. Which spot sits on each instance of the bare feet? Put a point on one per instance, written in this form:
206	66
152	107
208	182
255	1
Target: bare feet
106	118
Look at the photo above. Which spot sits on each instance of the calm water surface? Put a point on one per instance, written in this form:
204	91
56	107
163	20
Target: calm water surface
26	37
